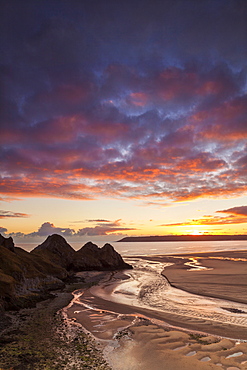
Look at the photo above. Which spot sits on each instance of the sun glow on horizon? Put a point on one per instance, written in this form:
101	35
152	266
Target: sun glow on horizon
196	232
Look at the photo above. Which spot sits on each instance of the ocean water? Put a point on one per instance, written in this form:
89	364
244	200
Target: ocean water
160	248
165	248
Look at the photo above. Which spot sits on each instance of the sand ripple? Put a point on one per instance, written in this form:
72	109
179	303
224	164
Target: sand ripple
147	288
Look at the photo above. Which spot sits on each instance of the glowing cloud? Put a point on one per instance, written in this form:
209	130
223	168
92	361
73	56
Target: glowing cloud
7	214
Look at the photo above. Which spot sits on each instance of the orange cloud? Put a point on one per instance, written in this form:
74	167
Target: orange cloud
225	122
238	215
139	99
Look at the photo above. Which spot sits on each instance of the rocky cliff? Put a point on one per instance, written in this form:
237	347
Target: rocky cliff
91	257
26	277
56	249
7	243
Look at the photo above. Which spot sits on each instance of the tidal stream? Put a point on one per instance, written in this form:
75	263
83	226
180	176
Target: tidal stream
147	288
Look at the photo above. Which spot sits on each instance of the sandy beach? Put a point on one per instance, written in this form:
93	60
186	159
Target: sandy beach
209	332
219	274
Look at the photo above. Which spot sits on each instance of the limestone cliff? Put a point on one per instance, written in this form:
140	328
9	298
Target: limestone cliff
56	249
26	277
91	257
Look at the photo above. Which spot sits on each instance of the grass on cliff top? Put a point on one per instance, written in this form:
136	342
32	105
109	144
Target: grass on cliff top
6	284
41	264
19	265
10	262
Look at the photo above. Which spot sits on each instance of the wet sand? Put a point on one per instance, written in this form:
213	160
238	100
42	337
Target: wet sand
135	338
224	276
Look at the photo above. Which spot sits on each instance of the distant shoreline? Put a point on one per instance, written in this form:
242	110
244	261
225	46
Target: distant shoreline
182	238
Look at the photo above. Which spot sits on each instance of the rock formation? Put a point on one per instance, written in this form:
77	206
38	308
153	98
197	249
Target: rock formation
27	277
7	243
91	257
56	249
24	279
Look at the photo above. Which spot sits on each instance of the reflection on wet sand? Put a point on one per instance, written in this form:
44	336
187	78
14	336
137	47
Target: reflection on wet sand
146	288
133	316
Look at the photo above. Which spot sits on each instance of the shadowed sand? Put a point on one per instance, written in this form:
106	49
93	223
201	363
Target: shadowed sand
136	338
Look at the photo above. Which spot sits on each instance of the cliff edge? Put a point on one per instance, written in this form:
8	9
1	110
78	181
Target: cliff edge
27	277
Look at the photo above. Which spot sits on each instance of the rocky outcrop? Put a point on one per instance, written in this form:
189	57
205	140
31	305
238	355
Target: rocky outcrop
56	249
26	277
91	257
110	257
7	243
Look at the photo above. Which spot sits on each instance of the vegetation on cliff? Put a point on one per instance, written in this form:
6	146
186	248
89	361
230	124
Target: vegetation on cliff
27	277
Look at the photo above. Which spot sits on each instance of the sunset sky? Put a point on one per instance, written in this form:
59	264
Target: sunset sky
123	118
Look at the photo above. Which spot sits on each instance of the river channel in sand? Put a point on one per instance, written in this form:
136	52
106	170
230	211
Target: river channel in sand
137	311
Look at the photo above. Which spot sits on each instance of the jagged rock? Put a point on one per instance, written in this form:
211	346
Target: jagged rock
7	243
91	257
110	257
87	258
56	249
46	267
26	277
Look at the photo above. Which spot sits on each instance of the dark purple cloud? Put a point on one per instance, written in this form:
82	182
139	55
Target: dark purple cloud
121	99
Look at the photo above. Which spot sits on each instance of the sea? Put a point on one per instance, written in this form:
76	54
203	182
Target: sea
127	249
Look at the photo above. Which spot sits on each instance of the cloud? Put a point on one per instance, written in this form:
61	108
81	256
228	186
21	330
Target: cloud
210	220
94	221
47	228
3	230
17	234
103	227
241	210
8	214
100	230
237	215
98	220
157	204
92	108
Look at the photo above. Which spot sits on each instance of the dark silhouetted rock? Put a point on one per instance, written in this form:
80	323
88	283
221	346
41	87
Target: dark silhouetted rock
110	257
91	257
27	277
7	243
87	258
56	249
